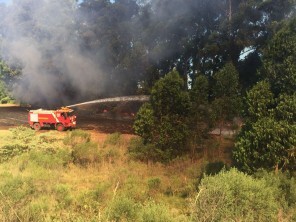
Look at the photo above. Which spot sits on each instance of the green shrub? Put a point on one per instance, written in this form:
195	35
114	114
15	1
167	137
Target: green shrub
154	183
87	204
153	212
110	154
284	182
63	195
23	134
113	139
9	151
86	153
15	189
5	100
235	196
133	186
77	137
36	209
50	160
123	209
100	191
144	152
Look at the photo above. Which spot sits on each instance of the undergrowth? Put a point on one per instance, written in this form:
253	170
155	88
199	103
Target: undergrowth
73	177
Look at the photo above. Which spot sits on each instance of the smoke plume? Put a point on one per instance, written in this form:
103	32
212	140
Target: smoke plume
41	37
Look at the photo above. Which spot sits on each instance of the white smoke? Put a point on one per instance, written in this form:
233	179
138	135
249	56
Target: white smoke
41	37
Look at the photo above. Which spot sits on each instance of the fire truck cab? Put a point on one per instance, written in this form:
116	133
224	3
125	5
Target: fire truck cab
60	119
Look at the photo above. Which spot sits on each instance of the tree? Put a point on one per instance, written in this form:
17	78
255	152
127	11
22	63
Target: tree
259	101
268	138
7	75
163	122
267	144
200	115
227	101
144	123
279	60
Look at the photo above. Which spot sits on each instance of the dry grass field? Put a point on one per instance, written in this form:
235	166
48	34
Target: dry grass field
88	175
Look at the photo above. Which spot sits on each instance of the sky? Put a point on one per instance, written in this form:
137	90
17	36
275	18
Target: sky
4	1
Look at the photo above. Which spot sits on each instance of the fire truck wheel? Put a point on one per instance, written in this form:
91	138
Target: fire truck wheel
36	126
60	127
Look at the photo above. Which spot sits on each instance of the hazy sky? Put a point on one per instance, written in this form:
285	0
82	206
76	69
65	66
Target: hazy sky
4	1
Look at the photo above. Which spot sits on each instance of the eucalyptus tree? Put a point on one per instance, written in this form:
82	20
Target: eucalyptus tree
163	122
268	139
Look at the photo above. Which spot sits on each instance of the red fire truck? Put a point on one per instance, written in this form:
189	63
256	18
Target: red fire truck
60	119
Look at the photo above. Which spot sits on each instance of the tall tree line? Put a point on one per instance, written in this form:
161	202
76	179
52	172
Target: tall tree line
143	42
136	42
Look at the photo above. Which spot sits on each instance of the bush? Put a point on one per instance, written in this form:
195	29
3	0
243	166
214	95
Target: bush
143	152
63	195
113	139
16	189
5	100
35	210
110	154
123	209
153	212
154	183
285	183
86	153
9	151
48	160
76	137
235	196
23	134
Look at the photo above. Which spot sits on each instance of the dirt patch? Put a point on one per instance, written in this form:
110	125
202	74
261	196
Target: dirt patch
87	119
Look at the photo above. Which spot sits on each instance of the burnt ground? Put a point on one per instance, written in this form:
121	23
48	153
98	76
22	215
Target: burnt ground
104	118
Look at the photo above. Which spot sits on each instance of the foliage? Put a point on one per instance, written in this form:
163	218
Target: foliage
84	151
279	60
154	183
266	144
23	140
284	182
144	123
268	137
168	96
235	196
154	212
123	209
113	139
227	102
41	185
200	120
76	137
163	121
138	150
9	151
6	74
259	101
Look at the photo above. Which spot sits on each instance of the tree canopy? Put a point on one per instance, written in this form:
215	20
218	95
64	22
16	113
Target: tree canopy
126	43
268	137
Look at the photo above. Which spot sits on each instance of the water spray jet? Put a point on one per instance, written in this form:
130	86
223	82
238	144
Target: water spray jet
142	98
